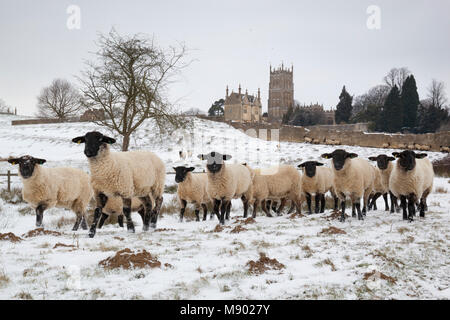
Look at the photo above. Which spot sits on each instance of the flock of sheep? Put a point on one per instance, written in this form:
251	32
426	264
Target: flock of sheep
122	182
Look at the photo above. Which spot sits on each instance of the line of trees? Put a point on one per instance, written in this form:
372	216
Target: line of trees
395	105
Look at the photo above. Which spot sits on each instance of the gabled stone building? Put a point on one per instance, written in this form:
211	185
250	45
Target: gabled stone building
241	107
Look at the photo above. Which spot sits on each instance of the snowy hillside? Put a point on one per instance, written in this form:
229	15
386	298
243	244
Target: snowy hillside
381	257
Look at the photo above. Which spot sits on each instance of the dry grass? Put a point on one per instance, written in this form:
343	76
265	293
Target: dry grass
440	190
22	295
13	197
4	279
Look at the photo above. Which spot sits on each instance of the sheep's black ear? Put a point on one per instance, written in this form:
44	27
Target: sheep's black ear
191	169
39	161
301	165
396	154
373	158
14	161
420	155
79	140
352	155
175	169
201	157
244	163
390	158
327	156
318	163
108	140
226	157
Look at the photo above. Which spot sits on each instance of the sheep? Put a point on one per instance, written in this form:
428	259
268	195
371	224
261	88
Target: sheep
114	205
192	188
353	178
385	145
126	174
316	141
411	146
183	154
316	181
45	188
401	146
411	180
422	147
381	185
444	149
280	182
226	182
308	140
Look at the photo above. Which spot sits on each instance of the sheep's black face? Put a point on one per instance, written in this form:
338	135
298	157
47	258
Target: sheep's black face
93	142
339	157
181	172
310	167
407	159
382	161
26	165
214	160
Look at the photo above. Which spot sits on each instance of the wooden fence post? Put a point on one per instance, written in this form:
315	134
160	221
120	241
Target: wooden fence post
9	181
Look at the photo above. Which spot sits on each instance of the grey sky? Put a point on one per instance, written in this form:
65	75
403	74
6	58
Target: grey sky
232	42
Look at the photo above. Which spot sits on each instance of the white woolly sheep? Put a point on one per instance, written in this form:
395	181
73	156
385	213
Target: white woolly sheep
411	180
192	188
126	174
381	184
353	178
45	188
385	145
316	181
308	140
276	183
226	182
444	149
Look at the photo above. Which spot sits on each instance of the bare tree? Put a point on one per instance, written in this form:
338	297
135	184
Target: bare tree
436	93
374	97
129	82
60	100
396	76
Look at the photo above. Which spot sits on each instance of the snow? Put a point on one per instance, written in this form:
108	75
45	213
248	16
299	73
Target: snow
209	265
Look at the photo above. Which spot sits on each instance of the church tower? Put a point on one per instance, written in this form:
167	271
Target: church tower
281	92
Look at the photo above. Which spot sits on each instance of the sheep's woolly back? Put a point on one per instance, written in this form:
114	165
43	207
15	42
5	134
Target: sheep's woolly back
320	183
356	177
68	188
194	188
128	174
231	182
414	181
115	205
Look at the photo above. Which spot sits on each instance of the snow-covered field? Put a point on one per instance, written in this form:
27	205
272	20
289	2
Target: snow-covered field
410	260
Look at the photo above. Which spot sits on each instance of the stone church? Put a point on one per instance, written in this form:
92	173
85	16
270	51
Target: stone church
281	92
241	107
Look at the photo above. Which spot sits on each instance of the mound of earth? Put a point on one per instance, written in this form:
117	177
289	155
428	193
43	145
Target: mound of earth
263	264
128	259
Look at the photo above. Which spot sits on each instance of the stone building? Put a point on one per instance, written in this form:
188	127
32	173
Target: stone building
328	114
281	92
241	107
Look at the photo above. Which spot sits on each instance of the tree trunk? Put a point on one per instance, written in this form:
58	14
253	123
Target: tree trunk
126	142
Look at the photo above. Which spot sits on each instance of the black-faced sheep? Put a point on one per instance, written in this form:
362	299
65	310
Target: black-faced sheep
45	188
411	180
381	185
125	174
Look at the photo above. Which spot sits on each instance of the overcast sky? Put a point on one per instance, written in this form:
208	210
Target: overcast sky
232	42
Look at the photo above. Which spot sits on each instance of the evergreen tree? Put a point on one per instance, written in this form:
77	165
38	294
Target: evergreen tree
391	119
287	116
431	117
216	108
410	102
344	107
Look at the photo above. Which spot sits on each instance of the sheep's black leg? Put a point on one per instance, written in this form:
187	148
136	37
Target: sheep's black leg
322	203
77	222
217	203
358	209
40	214
84	223
120	220
197	214
145	213
97	213
127	214
393	202
403	203
373	201
336	202
292	208
281	207
353	210
182	209
317	201
411	207
141	212
245	203
223	209
308	203
102	220
342	219
205	211
227	214
155	212
386	204
266	210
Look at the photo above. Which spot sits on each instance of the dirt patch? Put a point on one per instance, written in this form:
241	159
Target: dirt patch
333	230
128	259
10	237
41	232
379	275
59	244
219	228
163	230
296	216
263	264
238	229
335	215
249	221
119	238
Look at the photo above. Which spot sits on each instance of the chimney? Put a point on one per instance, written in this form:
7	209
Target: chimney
239	90
226	92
